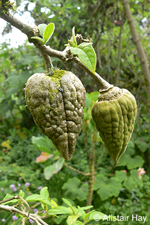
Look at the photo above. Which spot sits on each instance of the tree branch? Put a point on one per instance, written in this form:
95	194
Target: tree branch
32	216
46	51
28	215
24	28
78	171
141	52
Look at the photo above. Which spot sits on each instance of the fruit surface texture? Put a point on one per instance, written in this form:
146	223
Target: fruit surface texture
114	114
56	102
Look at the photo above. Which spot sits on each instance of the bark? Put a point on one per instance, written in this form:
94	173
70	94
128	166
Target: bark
119	56
141	53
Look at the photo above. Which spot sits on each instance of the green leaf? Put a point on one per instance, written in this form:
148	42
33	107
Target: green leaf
6	106
87	215
142	145
48	32
7	197
11	90
72	219
97	216
43	144
67	202
87	207
36	197
53	169
131	162
71	187
133	181
72	42
82	192
60	210
59	164
80	212
42	28
100	179
120	175
107	187
39	39
44	193
78	223
86	54
93	96
21	194
60	218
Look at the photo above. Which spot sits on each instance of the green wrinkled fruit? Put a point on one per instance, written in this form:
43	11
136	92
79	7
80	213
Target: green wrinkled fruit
56	103
114	115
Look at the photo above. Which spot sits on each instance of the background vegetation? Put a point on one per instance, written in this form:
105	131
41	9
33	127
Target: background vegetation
118	189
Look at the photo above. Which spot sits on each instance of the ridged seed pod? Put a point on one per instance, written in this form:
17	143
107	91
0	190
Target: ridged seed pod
114	115
56	103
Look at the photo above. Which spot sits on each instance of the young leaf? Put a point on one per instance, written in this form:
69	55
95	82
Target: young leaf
36	197
72	219
60	210
72	42
44	144
48	32
87	215
87	207
74	37
67	202
39	39
53	169
42	28
44	193
43	157
54	203
86	54
21	193
80	212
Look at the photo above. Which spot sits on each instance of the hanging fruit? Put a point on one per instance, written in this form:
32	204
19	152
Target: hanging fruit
114	115
56	101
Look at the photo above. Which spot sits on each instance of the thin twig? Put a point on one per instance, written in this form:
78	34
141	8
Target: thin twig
129	66
9	199
78	171
23	221
26	204
109	55
119	55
